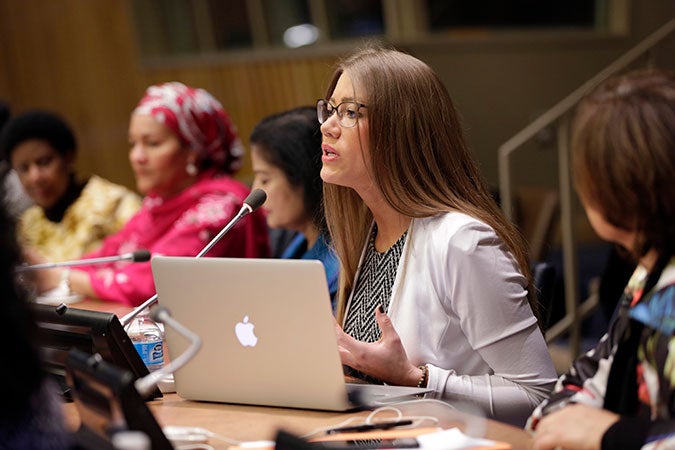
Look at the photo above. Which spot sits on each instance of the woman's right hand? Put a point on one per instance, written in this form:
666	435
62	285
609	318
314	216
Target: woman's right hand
574	427
385	359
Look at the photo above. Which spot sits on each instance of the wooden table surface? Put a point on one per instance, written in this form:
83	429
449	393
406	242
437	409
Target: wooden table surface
249	423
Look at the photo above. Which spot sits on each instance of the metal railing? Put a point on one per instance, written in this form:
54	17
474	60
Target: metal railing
559	115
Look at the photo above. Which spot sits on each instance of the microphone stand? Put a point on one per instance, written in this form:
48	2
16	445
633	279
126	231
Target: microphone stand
147	384
138	256
245	209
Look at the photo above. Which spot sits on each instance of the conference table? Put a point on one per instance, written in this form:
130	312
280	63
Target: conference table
244	423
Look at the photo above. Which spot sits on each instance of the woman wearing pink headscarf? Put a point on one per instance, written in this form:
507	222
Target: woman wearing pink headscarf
184	150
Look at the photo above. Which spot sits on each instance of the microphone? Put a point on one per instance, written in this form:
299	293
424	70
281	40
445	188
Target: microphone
147	384
137	256
253	201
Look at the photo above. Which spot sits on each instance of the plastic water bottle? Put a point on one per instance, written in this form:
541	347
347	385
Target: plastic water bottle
148	339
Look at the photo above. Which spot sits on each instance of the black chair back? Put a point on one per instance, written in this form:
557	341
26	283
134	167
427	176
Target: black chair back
543	276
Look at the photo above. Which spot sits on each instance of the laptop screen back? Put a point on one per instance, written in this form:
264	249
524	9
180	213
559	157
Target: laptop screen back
267	330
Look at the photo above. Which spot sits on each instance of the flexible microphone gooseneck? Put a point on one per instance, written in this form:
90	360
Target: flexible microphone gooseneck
254	201
147	384
137	256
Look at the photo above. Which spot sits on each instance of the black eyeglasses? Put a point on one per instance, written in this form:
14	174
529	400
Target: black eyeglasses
347	112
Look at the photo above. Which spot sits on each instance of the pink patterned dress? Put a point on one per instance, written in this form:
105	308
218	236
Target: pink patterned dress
178	226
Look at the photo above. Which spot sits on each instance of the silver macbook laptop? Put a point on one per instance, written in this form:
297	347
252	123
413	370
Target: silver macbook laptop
267	332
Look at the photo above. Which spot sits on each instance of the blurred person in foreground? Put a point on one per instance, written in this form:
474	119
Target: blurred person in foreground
184	153
621	394
31	407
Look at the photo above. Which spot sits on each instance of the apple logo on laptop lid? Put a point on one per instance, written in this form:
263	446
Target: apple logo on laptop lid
245	334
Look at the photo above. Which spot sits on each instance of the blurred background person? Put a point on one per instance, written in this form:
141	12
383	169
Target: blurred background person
184	151
69	217
621	394
286	157
31	407
15	199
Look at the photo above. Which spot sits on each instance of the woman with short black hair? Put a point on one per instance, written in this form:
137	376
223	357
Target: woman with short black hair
70	217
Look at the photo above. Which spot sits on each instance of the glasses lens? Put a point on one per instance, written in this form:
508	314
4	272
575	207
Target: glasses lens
347	113
322	110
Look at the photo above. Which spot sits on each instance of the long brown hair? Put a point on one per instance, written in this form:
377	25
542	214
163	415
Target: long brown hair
623	156
418	155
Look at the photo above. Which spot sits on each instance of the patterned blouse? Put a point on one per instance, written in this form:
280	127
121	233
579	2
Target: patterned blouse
100	210
631	371
373	288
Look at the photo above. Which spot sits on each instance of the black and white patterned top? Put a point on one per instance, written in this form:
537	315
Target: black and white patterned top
373	288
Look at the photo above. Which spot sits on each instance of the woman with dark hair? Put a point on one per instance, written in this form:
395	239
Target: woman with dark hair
621	395
434	288
286	156
30	410
12	193
184	151
69	217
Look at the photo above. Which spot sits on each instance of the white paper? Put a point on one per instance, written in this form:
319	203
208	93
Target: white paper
450	439
57	296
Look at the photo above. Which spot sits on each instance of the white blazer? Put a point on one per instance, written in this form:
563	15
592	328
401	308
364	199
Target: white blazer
459	304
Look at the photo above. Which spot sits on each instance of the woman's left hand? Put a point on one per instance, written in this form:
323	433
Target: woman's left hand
385	359
575	427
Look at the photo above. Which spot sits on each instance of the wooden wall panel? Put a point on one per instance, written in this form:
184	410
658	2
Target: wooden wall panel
79	57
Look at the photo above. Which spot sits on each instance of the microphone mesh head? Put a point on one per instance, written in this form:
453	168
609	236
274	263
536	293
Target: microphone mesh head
157	313
141	255
255	199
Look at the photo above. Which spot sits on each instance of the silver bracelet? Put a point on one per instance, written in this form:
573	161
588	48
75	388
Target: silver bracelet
64	284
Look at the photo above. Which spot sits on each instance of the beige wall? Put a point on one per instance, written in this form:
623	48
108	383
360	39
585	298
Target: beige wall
501	85
79	57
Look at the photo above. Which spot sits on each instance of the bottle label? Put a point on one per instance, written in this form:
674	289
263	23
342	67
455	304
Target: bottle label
152	353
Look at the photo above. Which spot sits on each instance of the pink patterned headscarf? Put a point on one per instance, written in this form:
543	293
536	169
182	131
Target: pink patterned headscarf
199	121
